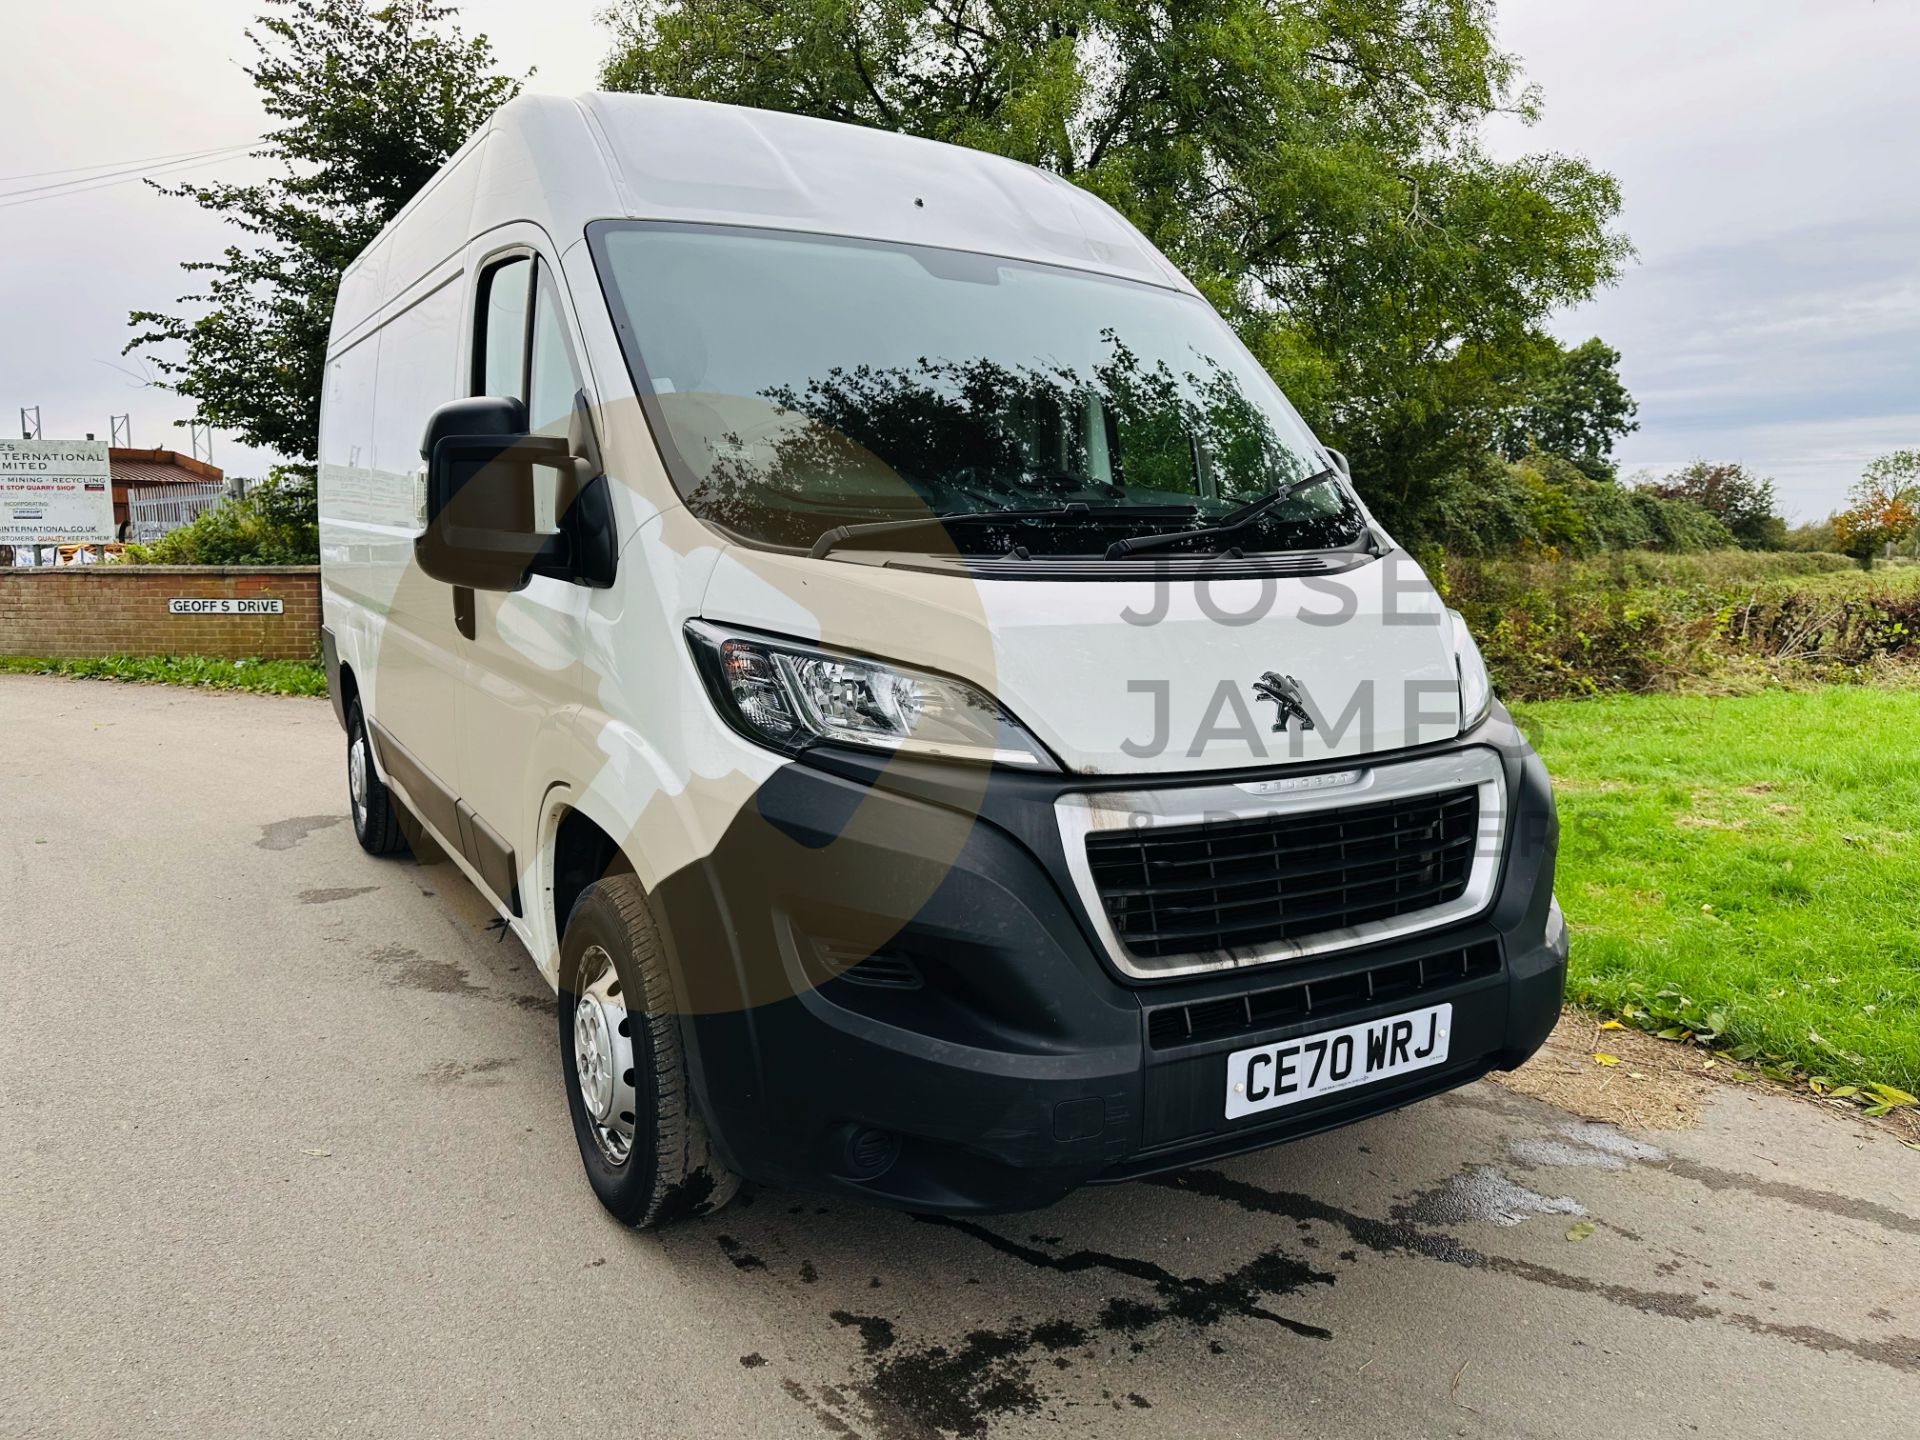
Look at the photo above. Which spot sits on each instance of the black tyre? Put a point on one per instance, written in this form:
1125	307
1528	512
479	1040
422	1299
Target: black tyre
376	814
642	1140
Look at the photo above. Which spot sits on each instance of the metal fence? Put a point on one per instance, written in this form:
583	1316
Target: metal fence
153	510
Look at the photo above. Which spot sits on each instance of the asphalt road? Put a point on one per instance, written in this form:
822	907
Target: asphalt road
283	1152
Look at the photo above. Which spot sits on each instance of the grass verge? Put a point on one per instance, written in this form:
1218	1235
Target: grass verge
267	677
1744	871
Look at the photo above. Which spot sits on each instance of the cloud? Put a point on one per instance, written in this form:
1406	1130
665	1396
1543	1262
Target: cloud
168	80
1764	149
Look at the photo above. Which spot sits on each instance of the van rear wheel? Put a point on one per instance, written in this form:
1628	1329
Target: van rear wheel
376	814
642	1141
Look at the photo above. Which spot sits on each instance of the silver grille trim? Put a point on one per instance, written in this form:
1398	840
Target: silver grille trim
1083	814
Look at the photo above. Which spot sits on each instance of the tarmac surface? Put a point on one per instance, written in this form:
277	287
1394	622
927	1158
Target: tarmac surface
284	1152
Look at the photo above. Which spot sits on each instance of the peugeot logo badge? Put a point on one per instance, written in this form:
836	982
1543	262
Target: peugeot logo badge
1285	692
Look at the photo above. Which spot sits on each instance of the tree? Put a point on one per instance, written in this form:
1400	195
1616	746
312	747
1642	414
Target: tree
371	102
1885	506
1576	408
1743	501
273	523
1314	165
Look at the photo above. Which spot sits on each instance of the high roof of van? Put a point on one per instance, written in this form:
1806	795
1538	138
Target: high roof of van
563	163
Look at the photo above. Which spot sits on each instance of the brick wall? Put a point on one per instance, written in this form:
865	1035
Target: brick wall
86	610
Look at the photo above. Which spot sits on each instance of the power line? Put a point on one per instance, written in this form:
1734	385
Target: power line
103	184
116	164
131	170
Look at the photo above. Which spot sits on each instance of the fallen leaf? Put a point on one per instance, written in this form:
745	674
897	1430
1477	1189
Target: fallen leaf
1454	1389
317	1154
1611	1025
1579	1230
1635	1075
1602	1058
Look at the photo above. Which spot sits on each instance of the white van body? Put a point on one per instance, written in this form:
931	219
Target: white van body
549	735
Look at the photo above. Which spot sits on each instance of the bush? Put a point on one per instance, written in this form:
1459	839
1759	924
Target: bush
1742	503
275	523
1484	509
1543	505
1679	526
1721	621
1816	535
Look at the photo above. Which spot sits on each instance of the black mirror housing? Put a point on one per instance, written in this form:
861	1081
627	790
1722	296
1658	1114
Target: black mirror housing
480	515
480	499
501	416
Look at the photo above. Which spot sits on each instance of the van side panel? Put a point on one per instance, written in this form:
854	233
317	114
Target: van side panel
416	663
346	479
394	357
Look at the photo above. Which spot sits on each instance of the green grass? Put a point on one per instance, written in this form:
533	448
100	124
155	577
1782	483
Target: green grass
268	677
1760	855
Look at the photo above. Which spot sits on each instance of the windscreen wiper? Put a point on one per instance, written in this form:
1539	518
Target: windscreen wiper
1229	524
840	534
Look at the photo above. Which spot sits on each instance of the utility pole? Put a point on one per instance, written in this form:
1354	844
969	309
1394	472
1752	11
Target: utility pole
29	422
200	440
121	427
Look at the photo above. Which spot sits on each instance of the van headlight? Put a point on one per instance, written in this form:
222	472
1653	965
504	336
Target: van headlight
1476	688
787	695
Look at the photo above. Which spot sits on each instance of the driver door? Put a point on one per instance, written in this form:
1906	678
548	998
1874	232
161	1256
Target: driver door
521	649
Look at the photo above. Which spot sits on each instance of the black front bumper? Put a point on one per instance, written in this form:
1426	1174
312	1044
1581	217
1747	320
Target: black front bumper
1022	1064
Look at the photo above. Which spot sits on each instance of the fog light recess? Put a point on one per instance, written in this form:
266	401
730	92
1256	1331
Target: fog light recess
867	1153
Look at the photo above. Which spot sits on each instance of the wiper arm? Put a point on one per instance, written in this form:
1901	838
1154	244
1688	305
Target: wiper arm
1229	524
840	534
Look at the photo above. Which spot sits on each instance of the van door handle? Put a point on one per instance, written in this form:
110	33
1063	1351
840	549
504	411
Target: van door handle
463	610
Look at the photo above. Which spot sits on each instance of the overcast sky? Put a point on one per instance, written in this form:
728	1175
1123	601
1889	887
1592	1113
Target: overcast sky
1767	150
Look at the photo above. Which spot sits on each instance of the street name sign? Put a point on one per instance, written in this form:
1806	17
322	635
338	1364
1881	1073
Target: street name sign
226	605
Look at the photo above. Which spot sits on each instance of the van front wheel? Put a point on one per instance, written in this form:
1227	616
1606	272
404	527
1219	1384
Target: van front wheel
643	1142
376	817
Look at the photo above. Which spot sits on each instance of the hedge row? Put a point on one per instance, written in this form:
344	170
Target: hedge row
1722	622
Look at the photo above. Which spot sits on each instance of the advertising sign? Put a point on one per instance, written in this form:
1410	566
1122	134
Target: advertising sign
55	491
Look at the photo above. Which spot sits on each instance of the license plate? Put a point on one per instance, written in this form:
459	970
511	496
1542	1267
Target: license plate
1269	1076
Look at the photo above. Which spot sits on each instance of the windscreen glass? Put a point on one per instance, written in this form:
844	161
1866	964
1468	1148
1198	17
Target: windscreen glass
798	383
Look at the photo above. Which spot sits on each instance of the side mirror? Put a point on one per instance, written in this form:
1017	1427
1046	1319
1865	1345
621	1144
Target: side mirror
480	504
500	416
1340	460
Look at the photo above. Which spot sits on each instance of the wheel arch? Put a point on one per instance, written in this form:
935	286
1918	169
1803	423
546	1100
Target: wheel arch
583	851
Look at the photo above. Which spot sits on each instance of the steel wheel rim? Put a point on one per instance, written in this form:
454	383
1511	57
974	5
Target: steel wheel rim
357	778
603	1056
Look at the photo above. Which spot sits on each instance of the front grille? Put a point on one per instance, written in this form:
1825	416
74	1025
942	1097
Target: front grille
1327	1000
1184	889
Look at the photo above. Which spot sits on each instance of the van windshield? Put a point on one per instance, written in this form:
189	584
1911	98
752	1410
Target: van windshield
797	383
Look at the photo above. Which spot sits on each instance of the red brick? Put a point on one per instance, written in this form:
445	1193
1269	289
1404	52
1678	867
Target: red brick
114	610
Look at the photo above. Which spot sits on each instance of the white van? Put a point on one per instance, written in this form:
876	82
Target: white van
936	715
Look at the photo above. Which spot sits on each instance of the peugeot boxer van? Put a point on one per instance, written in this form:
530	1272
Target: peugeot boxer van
941	722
